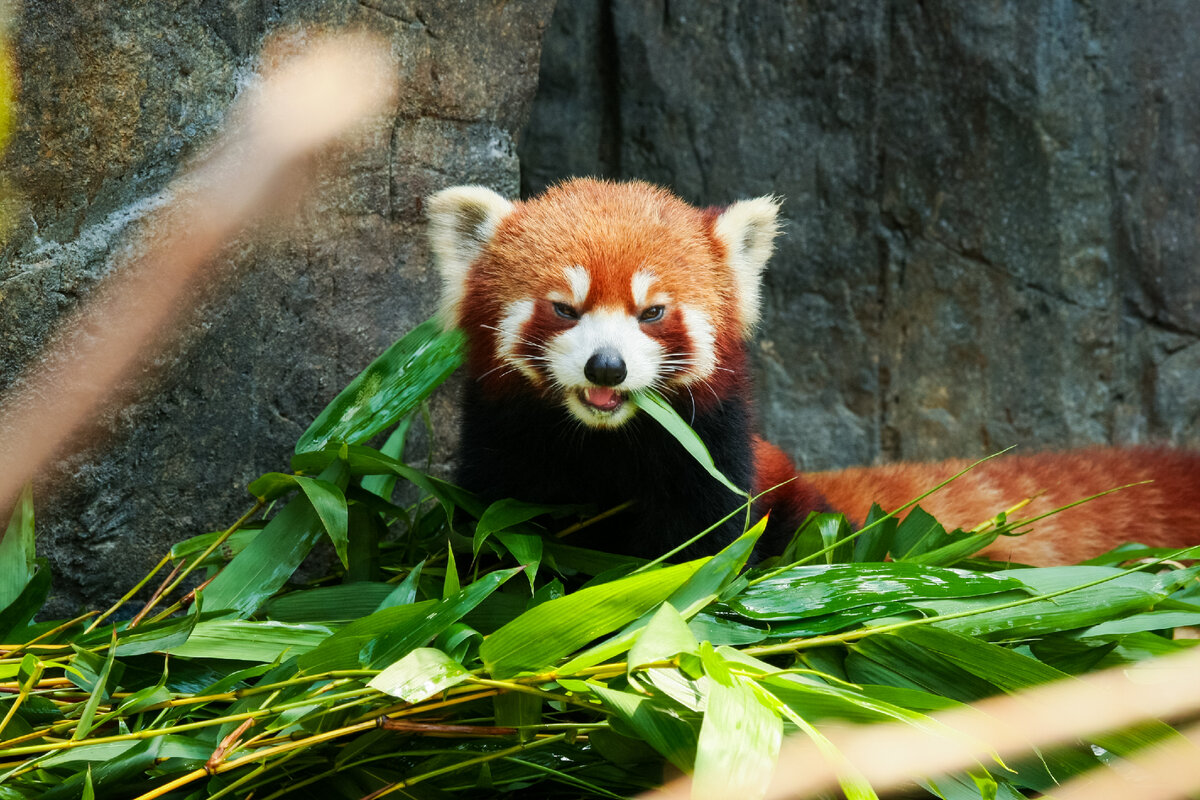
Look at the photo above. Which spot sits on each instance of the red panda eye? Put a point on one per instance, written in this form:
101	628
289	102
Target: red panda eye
652	314
565	311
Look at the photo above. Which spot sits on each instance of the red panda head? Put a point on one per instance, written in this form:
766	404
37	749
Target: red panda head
596	289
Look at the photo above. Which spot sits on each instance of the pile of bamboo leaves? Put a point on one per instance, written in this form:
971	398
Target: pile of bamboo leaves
458	650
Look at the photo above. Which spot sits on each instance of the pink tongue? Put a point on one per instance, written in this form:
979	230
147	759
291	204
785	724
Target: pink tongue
602	397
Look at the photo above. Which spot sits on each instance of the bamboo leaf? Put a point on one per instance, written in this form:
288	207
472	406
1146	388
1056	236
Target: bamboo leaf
383	485
1126	592
807	591
327	500
665	635
714	576
503	515
405	591
658	409
343	603
16	550
389	388
671	736
244	640
738	745
419	675
1149	621
87	718
270	559
343	649
390	647
547	632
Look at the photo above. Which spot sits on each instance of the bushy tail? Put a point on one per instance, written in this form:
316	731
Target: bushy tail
1163	513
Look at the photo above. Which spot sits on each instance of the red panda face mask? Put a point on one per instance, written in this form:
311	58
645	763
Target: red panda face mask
595	290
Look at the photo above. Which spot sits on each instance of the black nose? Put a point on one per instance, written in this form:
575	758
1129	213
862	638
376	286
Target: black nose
605	367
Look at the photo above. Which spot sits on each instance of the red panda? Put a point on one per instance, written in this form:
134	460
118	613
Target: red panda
575	299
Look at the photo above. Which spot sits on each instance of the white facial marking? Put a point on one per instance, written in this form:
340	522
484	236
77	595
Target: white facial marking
568	354
704	344
580	282
509	337
640	285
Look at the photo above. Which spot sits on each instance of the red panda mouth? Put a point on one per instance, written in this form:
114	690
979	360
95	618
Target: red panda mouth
602	398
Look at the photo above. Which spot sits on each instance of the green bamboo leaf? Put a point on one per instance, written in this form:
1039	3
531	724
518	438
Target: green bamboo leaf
716	630
392	386
327	500
245	640
808	591
658	409
450	584
329	603
233	544
363	461
1126	592
144	698
547	632
330	504
16	550
29	602
1149	621
879	538
738	745
342	650
504	514
518	710
272	485
87	718
665	635
419	675
671	736
918	533
111	775
383	485
844	620
526	548
390	647
156	636
699	591
269	560
405	591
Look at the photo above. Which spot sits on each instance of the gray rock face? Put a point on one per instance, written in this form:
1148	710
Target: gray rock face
991	207
114	101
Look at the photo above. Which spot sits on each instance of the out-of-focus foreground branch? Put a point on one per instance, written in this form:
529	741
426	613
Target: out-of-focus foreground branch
299	105
892	755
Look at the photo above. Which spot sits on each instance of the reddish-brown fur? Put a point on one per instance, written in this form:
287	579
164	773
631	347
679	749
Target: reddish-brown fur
1165	513
612	230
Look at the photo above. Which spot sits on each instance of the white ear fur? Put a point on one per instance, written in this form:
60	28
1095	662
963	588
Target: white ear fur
462	220
747	229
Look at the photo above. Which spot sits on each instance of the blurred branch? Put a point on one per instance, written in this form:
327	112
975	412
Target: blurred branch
892	755
300	104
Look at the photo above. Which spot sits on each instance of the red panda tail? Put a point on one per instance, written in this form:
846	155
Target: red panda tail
1164	513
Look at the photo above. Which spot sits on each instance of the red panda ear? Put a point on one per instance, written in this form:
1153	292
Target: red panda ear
747	229
462	220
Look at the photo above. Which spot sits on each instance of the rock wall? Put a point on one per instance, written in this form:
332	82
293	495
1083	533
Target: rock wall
115	97
992	207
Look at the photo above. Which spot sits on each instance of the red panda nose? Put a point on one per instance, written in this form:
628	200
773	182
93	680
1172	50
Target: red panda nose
605	367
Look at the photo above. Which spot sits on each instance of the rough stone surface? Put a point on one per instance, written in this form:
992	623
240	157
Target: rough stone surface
116	97
991	207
